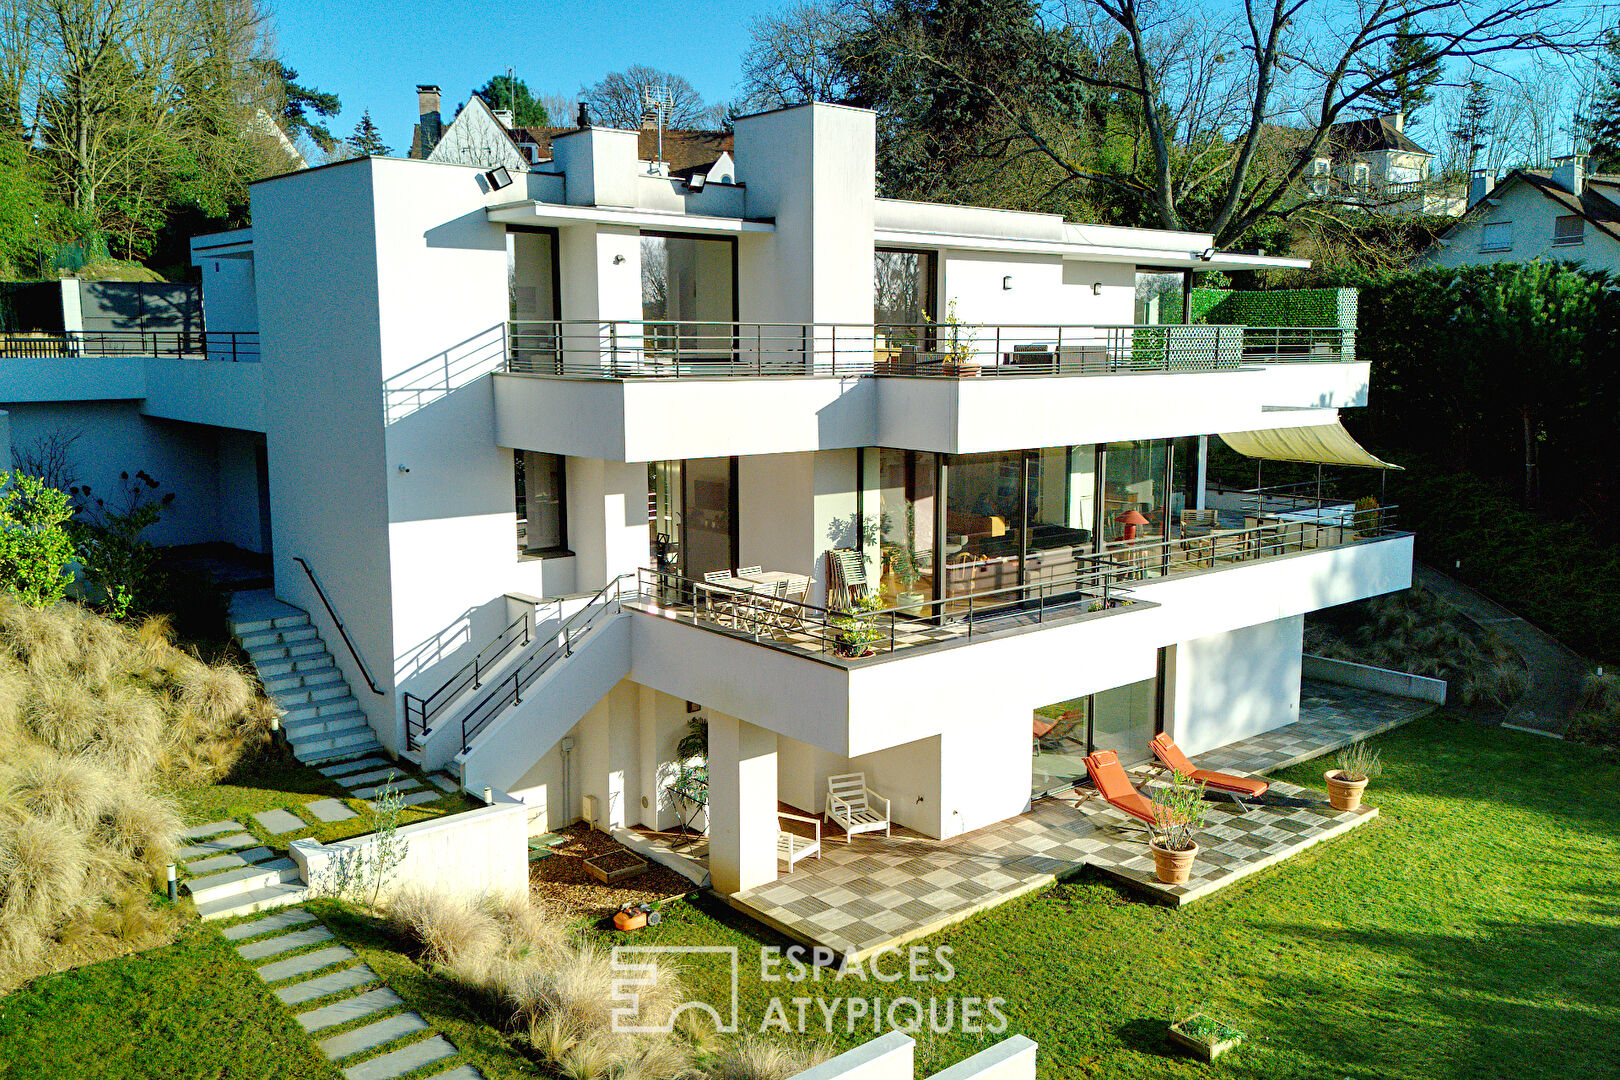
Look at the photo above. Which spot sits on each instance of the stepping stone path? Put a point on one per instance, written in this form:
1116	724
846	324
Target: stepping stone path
364	1028
369	777
229	873
276	822
329	810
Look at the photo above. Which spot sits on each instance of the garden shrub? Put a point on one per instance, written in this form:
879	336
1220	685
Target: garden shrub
36	550
1596	719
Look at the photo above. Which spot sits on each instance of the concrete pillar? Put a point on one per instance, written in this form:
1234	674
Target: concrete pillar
742	804
1203	473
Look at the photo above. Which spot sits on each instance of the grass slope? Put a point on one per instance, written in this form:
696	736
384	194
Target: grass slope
190	1010
1471	931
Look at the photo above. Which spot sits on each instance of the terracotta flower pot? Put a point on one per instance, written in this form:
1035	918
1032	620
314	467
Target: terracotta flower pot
1172	867
1343	794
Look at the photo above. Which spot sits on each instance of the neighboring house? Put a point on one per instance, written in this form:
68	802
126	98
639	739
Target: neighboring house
596	392
1533	213
1373	164
486	137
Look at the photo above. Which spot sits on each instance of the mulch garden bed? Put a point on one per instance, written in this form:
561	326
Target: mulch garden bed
562	882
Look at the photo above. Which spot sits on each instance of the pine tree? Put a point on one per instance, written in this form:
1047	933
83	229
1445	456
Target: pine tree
1601	120
366	140
1416	67
508	92
1474	123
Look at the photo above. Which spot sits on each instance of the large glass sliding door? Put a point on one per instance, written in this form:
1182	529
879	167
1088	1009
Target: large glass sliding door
1136	492
692	514
908	506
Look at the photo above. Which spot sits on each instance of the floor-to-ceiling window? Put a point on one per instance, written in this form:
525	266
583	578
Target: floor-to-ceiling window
985	505
709	515
1123	719
903	301
688	294
907	508
1062	511
532	286
1136	492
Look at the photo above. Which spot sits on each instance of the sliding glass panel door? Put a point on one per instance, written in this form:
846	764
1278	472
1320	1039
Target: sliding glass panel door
984	523
1136	497
711	537
1125	719
688	296
904	300
1062	505
907	505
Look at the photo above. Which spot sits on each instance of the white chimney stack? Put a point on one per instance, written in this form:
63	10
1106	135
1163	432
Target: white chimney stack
505	117
1398	118
1569	173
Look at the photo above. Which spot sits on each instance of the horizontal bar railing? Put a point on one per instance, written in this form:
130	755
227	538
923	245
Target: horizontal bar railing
818	629
674	349
508	690
227	345
421	710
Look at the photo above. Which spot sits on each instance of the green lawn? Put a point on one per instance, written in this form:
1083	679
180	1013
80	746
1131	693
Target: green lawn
191	1009
1472	930
276	779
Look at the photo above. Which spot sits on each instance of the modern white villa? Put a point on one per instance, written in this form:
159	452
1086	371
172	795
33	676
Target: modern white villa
557	460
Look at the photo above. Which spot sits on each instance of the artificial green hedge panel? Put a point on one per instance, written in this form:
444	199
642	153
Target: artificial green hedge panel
1278	307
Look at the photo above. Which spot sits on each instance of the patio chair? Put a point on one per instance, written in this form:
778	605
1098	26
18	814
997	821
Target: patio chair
795	594
854	806
744	571
1239	787
790	846
1113	783
846	579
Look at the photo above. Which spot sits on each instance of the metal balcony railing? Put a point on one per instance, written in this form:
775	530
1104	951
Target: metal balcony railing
182	344
628	349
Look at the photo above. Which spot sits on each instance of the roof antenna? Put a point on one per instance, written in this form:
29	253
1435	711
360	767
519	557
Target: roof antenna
656	103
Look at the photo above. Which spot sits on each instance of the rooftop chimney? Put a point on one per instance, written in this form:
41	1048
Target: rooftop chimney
427	107
584	116
1479	185
1398	118
1569	173
505	117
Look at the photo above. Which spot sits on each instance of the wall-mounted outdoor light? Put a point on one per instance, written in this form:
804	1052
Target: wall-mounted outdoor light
404	468
617	259
1096	288
1006	282
498	177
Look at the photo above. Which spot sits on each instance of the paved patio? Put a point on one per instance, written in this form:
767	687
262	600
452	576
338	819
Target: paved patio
876	893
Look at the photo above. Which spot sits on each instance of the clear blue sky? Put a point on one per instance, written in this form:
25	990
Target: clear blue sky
372	54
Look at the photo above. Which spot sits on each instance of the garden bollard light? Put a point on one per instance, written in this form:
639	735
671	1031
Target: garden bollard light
489	796
173	887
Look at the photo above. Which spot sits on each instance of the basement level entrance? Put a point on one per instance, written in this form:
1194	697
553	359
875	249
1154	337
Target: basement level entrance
1123	719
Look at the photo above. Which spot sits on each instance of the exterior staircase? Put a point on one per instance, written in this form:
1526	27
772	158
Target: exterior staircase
323	720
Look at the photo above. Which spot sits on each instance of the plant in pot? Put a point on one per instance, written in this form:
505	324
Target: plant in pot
958	342
1177	810
857	630
1357	763
1204	1036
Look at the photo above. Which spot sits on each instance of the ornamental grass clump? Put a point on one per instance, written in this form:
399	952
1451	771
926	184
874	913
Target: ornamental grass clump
1596	719
99	722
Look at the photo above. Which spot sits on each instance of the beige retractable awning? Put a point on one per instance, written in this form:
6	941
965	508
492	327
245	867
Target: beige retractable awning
1326	444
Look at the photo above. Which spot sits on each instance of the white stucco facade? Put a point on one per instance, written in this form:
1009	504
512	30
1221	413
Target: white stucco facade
421	332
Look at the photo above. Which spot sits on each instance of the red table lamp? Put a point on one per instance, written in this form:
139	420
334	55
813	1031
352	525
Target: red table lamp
1131	519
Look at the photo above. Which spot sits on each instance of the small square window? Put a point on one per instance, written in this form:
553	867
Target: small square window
1321	165
1569	230
1496	236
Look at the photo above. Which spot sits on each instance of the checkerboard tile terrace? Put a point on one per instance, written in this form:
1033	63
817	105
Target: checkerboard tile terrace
875	893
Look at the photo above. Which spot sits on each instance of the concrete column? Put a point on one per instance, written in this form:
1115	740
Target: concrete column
1203	472
742	804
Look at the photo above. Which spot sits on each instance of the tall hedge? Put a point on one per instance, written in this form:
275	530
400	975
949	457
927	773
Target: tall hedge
1275	307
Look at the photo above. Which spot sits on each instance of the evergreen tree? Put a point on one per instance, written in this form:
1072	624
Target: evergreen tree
1601	120
1474	122
509	92
366	140
303	107
1415	65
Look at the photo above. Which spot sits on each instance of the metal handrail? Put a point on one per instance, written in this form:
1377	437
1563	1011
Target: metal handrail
225	345
341	629
674	349
509	690
421	709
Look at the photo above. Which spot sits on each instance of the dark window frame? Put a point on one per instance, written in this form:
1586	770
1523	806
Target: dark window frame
550	551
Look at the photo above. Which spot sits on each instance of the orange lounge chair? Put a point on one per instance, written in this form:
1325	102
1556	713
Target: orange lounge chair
1113	783
1165	749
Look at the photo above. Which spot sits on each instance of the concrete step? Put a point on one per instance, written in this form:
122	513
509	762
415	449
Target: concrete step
297	650
348	1043
349	1009
341	753
286	636
345	731
268	924
304	727
211	887
259	626
322	985
313	690
276	685
265	948
289	665
399	1062
265	899
329	746
324	707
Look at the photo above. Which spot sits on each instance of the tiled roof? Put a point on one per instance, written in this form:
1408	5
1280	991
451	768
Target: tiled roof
1370	135
1596	208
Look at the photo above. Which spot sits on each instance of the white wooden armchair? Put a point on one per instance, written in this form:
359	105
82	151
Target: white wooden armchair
790	846
856	807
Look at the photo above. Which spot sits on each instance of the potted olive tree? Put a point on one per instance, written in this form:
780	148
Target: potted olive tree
1357	764
1177	810
857	630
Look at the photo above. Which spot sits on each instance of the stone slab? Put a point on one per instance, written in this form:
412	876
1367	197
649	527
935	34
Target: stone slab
349	1009
281	920
401	1061
404	785
329	810
427	795
234	860
386	1030
258	950
304	963
217	846
322	985
444	783
345	768
373	776
213	828
460	1072
280	821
